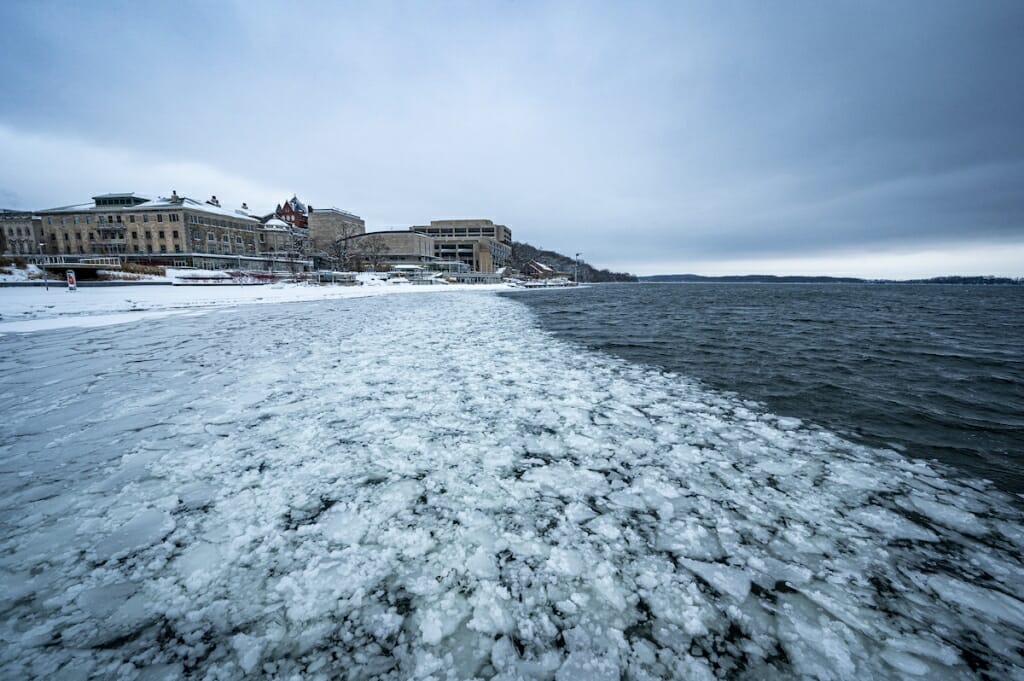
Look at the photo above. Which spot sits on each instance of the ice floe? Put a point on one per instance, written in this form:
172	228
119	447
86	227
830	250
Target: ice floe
431	486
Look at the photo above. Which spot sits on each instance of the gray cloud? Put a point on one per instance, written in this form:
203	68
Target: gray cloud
654	132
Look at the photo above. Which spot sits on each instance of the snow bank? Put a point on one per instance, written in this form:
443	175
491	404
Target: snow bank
274	492
35	309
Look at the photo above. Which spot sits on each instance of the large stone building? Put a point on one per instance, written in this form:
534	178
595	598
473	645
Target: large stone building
329	225
174	230
481	244
20	233
392	248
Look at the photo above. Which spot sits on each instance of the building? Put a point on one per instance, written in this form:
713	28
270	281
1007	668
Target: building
391	248
538	270
293	211
329	225
174	230
481	244
20	232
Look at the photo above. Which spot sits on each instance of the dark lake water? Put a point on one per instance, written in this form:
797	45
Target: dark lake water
936	372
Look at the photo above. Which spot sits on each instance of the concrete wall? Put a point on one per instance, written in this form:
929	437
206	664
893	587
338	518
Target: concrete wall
327	226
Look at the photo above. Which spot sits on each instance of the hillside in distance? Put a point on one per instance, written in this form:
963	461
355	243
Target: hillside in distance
524	252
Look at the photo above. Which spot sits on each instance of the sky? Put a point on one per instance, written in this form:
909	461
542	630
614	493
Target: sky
876	139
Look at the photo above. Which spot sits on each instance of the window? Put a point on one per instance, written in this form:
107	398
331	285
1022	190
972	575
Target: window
119	218
75	219
53	236
90	236
49	221
136	248
99	219
131	218
62	222
149	235
226	239
238	240
175	234
163	248
135	235
160	234
145	218
110	219
88	219
159	217
67	237
210	236
177	248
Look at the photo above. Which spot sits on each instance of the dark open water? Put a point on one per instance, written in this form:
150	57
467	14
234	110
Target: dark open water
936	372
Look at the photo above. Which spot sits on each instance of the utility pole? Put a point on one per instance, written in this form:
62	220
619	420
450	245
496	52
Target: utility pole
576	270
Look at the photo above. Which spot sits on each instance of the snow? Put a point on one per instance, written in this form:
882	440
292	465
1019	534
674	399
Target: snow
26	309
431	486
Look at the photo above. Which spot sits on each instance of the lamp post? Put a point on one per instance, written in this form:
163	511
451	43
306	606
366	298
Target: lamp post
576	270
46	282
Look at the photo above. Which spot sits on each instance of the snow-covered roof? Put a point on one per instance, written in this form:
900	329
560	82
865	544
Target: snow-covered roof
334	209
160	203
123	195
275	223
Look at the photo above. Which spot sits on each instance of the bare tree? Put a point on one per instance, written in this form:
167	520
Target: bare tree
374	248
341	249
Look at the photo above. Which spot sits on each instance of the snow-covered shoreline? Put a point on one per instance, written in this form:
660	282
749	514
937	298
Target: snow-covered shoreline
24	310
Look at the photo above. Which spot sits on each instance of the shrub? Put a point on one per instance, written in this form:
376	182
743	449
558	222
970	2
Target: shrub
135	268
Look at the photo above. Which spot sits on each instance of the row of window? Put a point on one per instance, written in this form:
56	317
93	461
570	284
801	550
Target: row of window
135	235
16	231
211	222
212	249
114	219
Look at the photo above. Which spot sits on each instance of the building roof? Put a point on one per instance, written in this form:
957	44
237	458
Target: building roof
122	195
160	203
275	223
339	211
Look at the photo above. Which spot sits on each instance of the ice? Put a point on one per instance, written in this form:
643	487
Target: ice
147	527
430	485
725	579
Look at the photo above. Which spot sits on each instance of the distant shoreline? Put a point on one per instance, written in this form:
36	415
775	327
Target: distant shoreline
773	279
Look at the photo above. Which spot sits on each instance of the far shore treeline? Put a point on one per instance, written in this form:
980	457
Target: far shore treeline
772	279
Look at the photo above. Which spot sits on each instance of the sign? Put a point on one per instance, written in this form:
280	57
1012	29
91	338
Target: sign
72	284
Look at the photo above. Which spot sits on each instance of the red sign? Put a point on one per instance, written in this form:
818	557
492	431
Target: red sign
72	284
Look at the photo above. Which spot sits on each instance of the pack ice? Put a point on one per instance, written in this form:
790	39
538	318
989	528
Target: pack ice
431	487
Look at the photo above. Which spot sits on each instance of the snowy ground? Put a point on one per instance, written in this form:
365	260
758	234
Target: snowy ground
35	309
432	487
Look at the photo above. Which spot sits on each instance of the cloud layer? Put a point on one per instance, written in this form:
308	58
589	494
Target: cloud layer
647	137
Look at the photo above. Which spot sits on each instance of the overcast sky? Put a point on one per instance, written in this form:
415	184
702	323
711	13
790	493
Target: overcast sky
875	139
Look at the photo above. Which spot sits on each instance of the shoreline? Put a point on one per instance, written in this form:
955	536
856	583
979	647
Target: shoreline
28	310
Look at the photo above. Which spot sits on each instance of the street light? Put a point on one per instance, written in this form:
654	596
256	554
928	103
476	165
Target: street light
46	282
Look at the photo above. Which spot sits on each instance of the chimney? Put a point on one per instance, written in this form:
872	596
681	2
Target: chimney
174	195
213	201
245	206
